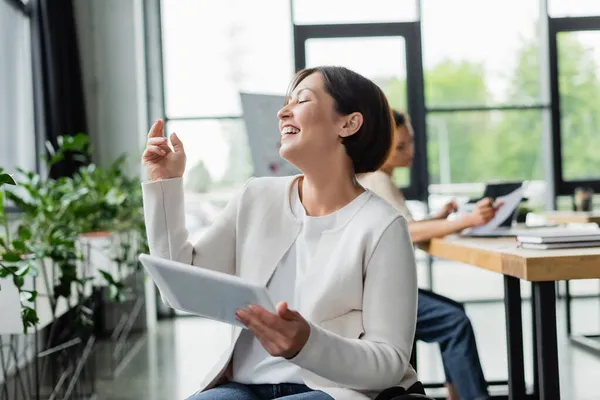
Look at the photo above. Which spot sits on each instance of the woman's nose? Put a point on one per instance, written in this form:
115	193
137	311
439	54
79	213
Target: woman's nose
285	112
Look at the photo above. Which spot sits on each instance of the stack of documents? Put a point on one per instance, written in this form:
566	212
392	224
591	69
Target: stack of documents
559	238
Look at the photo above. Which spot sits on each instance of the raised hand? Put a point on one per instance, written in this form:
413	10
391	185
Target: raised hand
159	160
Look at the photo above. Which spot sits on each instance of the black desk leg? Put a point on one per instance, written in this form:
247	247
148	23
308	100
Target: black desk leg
568	307
536	386
514	338
544	294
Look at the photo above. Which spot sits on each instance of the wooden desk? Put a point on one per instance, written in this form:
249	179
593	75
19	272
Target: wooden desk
542	268
505	257
567	217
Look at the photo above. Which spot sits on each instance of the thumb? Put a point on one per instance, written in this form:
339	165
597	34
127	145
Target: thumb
284	312
177	143
453	205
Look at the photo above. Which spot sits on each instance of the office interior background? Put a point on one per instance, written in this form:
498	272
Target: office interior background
498	91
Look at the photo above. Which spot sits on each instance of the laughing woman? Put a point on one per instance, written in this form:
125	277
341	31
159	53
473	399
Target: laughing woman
337	259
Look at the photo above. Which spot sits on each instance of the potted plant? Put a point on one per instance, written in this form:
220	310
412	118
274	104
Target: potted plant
16	261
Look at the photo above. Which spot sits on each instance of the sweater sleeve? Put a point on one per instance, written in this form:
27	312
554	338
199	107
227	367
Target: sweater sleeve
380	358
167	234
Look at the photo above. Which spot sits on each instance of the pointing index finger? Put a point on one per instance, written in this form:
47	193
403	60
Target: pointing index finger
157	129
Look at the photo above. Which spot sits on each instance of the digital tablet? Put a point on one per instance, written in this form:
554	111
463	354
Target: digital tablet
203	292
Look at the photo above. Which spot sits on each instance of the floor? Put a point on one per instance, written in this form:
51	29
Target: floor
170	363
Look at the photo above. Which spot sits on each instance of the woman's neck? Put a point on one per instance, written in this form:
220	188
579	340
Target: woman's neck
387	169
324	193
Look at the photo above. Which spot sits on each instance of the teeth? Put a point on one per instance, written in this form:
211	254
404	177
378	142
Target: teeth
289	129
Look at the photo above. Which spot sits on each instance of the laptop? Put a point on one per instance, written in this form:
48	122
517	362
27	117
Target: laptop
512	194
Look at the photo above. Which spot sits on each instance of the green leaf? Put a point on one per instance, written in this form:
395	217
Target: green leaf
19	281
24	270
28	295
11	257
24	233
4	271
19	245
29	318
50	147
6	179
108	277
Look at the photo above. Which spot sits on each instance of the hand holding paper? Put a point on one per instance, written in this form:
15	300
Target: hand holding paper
505	207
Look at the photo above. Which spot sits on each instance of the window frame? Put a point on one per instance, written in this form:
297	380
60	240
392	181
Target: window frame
418	188
555	27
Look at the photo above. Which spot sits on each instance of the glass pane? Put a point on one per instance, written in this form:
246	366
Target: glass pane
17	130
579	86
308	12
573	8
214	49
218	156
480	52
466	149
382	59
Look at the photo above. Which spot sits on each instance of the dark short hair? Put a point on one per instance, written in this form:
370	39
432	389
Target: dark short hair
369	147
400	118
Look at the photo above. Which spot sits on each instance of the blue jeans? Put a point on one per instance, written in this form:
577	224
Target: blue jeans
443	321
238	391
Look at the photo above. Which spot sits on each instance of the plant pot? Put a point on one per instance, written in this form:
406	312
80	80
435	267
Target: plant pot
10	308
100	250
46	270
96	248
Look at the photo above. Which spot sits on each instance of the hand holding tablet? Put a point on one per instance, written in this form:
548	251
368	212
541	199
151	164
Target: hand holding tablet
203	292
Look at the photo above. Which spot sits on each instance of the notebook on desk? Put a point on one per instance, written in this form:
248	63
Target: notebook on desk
552	246
559	236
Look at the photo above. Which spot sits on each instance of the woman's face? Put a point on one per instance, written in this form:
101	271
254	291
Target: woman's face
309	124
403	151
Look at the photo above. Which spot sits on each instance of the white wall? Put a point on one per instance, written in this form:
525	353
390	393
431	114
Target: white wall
122	83
111	45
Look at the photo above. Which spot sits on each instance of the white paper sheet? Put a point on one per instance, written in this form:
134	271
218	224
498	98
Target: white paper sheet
10	308
264	138
510	202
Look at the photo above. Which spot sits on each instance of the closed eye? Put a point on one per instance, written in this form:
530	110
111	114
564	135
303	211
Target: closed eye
303	101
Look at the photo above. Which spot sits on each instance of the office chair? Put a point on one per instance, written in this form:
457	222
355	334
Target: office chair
396	393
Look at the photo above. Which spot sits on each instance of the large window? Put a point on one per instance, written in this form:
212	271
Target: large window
579	86
486	113
212	51
17	128
487	73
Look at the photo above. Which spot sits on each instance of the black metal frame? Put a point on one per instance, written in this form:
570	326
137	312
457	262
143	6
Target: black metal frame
546	343
411	32
588	342
118	347
556	26
61	368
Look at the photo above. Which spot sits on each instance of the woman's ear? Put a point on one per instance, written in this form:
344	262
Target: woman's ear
351	124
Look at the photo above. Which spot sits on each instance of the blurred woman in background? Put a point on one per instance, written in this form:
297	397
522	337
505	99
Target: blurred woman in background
439	319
